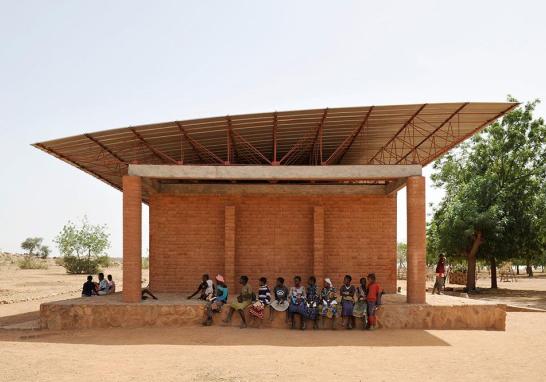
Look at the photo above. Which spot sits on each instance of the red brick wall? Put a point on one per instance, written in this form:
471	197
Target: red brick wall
273	237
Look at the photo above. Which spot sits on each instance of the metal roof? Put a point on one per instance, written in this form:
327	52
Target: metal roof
393	134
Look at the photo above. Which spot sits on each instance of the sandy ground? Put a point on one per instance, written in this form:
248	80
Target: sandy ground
231	354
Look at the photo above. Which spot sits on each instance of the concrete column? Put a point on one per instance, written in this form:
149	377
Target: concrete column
416	291
132	238
318	243
229	247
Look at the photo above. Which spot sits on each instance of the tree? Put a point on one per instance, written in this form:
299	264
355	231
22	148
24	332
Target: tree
34	247
83	248
492	202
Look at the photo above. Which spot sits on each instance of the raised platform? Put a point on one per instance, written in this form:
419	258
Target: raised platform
177	310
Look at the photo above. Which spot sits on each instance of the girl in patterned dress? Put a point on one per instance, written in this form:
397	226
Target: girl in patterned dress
347	292
257	309
360	307
328	302
312	302
296	298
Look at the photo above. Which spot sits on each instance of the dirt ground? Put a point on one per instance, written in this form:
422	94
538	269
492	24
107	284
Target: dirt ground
231	354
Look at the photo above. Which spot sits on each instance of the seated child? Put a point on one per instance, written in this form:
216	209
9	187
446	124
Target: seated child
215	303
347	292
329	302
88	289
359	310
312	300
280	302
103	285
257	309
296	299
373	301
111	285
243	300
201	288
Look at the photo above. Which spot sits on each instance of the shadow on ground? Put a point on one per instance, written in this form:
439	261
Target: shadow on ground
228	336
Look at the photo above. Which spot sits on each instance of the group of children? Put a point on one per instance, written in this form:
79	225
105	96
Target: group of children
100	288
309	302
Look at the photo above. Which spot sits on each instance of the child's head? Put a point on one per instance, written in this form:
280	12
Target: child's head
101	276
243	280
205	277
312	280
280	281
109	277
263	281
89	278
363	281
371	277
327	283
297	280
347	279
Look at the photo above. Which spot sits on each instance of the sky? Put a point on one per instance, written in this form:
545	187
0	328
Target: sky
70	67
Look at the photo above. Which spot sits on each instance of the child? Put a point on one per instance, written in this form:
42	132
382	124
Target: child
280	293
243	300
88	289
201	288
347	292
359	309
297	298
111	285
264	299
373	301
329	302
311	302
214	305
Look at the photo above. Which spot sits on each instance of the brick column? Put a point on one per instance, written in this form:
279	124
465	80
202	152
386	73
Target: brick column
318	243
229	247
132	238
415	189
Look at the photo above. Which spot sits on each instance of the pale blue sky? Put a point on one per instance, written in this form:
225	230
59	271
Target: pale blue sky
68	67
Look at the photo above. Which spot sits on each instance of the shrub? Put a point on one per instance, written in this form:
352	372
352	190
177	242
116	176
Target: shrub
59	261
29	262
145	262
79	265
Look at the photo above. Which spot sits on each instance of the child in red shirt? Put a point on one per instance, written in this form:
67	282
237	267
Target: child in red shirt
373	300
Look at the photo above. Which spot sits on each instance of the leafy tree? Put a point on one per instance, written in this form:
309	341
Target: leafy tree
493	204
83	248
402	255
34	247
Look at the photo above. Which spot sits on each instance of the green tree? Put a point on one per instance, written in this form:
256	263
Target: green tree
492	202
83	247
34	247
402	255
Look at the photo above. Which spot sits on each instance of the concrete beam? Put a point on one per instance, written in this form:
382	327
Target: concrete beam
317	173
270	189
395	185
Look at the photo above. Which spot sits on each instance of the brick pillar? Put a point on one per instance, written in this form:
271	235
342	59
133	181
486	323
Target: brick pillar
132	238
415	189
318	243
229	247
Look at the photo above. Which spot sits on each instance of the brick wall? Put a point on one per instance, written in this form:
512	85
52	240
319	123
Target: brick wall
274	236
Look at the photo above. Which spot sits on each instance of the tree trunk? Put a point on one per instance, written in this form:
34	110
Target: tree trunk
493	272
517	269
529	269
471	274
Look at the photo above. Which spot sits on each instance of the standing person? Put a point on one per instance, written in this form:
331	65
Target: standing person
347	292
215	303
257	309
359	309
202	287
111	285
88	289
280	295
296	298
440	275
243	300
311	302
373	300
103	285
329	302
